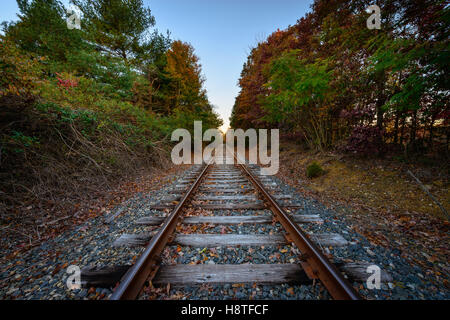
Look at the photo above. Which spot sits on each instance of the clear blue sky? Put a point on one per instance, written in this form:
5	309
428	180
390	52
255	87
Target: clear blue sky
221	31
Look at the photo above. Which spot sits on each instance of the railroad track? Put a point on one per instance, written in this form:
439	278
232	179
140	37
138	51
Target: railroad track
231	188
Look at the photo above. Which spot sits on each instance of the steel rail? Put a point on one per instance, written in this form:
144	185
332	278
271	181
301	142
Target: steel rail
322	268
134	279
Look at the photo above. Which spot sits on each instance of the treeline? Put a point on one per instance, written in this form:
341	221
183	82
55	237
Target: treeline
79	107
332	82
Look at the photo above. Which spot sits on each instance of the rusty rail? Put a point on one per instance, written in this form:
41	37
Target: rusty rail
146	266
321	267
312	258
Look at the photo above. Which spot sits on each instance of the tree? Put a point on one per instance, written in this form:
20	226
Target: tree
377	83
52	38
121	28
296	93
20	72
187	81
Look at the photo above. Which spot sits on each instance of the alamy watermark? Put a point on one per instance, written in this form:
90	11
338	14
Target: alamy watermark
74	280
220	152
251	148
374	21
74	18
374	280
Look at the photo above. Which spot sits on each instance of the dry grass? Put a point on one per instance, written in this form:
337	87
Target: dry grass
380	201
69	173
380	184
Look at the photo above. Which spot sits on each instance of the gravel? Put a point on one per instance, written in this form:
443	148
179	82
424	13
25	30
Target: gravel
41	273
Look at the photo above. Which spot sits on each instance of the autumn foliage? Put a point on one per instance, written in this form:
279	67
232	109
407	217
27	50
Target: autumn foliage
329	80
82	109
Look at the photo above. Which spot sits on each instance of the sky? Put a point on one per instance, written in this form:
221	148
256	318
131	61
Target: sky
221	31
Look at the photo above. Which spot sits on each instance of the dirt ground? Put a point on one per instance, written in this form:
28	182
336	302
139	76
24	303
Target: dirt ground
16	238
381	200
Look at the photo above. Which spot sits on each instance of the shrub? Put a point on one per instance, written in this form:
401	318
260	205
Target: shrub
365	140
20	71
314	170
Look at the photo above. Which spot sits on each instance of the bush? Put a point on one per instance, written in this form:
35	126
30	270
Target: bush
366	140
314	170
20	72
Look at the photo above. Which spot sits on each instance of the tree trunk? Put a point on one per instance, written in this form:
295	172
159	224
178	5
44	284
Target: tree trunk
381	100
402	131
430	143
412	140
397	118
380	114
